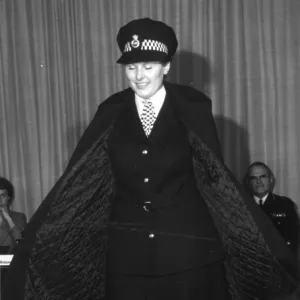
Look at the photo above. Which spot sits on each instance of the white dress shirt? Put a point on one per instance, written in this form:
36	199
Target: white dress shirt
157	99
263	199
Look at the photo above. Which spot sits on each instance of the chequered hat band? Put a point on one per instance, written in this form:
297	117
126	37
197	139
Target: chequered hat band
148	45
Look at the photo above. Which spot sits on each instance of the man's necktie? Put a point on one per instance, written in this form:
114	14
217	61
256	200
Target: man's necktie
260	202
148	116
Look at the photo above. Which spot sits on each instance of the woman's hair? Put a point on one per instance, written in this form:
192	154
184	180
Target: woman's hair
246	179
7	185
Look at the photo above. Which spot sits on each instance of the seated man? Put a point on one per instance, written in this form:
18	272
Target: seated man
11	223
259	181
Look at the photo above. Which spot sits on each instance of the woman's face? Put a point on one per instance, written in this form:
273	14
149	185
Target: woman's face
4	198
146	78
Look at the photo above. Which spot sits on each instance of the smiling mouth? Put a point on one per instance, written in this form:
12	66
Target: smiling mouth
141	85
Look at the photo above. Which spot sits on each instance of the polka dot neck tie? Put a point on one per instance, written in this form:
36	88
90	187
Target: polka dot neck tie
148	116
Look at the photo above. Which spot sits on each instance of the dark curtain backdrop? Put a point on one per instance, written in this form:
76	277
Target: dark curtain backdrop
57	64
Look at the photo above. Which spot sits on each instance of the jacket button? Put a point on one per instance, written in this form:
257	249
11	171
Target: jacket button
146	180
151	235
145	152
147	205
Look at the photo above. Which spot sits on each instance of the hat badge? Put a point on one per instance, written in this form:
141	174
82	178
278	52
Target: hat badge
135	43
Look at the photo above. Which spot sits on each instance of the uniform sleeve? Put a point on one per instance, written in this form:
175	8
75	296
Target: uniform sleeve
19	227
16	232
293	226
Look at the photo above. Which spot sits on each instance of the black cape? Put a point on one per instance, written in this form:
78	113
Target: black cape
63	253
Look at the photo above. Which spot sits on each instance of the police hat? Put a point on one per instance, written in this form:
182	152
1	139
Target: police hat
146	40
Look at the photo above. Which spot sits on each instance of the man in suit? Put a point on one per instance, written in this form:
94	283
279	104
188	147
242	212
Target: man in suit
12	223
259	181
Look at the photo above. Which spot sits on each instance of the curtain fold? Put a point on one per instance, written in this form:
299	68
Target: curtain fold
58	63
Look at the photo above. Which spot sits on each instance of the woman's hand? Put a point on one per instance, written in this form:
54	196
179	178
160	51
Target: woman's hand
4	215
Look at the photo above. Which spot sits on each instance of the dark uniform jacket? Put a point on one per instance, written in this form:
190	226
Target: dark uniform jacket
63	253
283	213
9	236
159	219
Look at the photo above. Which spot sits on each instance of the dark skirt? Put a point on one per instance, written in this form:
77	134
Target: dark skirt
205	283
